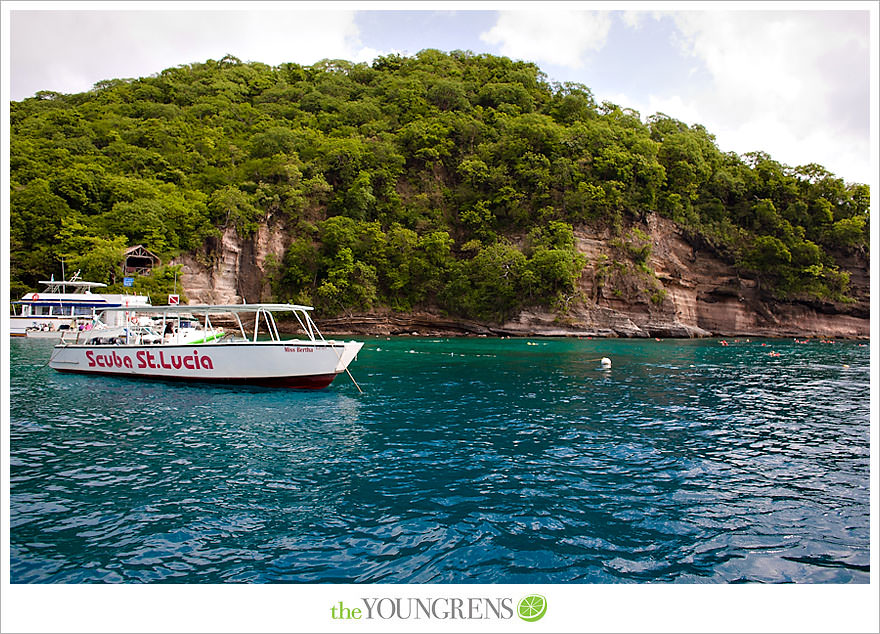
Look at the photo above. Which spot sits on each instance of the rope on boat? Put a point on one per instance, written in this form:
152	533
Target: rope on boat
321	335
348	372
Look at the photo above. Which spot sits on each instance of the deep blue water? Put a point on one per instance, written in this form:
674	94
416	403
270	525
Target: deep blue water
465	460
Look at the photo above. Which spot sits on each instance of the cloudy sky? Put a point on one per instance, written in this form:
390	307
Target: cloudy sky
790	79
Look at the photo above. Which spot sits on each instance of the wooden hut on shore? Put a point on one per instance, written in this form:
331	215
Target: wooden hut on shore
139	260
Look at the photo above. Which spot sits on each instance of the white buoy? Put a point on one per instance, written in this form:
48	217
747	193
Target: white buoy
605	363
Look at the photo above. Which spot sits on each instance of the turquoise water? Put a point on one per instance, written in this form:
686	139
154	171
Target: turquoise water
465	460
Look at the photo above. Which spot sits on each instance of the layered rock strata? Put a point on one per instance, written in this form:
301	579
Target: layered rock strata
679	291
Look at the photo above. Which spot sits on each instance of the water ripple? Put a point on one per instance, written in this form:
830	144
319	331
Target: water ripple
466	460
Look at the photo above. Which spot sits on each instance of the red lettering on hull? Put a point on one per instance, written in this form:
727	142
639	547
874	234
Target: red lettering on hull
113	360
146	359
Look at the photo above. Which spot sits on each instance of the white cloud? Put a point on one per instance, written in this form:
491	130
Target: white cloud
847	158
563	38
784	62
793	84
101	45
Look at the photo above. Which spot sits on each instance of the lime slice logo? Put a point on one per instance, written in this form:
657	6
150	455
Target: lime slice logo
532	608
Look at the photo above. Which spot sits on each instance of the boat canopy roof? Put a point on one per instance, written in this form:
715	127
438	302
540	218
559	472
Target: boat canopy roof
71	283
213	308
68	299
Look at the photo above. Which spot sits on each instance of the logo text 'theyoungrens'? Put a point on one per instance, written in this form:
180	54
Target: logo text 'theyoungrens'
440	609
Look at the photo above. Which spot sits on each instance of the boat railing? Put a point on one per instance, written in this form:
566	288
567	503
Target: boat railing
302	317
264	323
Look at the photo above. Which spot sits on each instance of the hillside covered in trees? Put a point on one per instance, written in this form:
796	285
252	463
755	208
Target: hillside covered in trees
450	181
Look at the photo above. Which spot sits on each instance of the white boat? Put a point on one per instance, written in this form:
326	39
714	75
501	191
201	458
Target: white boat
146	347
67	305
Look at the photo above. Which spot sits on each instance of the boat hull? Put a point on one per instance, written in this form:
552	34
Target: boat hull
313	382
44	327
290	364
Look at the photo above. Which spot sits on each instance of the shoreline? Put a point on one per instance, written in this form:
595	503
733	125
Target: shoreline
425	325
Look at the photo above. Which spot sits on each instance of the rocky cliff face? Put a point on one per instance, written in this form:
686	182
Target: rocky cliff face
694	293
232	270
679	291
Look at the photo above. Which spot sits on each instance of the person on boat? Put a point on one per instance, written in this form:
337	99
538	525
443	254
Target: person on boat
169	331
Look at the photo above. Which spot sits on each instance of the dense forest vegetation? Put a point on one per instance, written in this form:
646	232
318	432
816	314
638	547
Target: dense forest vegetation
452	181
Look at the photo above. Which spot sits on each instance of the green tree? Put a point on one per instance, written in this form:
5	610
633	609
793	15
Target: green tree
455	158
